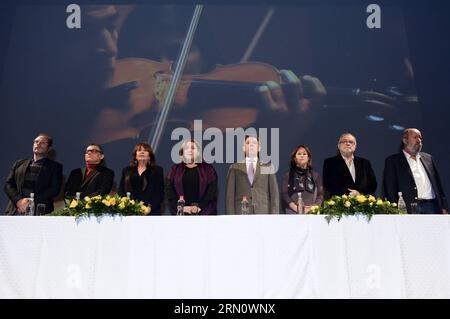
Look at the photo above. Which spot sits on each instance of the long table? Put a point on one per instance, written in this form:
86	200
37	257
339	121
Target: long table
261	256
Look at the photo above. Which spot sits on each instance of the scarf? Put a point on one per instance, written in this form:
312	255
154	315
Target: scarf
89	168
300	180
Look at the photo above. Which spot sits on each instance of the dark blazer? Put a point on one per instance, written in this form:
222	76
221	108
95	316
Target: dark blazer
98	182
207	188
337	178
152	191
46	189
397	177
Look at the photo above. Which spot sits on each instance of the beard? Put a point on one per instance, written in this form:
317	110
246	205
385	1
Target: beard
347	152
39	152
414	148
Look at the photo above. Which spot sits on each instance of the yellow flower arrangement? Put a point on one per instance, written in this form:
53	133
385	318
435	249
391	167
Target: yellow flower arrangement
106	202
315	209
145	209
366	205
112	201
107	205
74	203
361	198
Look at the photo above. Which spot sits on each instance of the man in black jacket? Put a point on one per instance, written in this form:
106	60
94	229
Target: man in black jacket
414	174
94	179
346	173
38	175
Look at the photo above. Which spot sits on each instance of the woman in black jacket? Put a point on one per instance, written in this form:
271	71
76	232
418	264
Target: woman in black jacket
143	179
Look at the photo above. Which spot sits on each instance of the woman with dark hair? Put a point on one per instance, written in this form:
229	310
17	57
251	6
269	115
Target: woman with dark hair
143	179
193	179
94	179
301	179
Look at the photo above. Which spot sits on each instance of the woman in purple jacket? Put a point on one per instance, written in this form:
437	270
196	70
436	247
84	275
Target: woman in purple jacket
193	179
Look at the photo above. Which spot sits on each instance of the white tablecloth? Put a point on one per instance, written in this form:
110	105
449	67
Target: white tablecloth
283	256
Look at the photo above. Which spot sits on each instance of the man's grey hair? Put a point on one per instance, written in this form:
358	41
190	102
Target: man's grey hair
346	133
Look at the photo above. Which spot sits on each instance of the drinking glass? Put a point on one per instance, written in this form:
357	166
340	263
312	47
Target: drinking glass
40	209
414	208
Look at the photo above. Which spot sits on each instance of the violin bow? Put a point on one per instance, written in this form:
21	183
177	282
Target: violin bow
257	36
157	130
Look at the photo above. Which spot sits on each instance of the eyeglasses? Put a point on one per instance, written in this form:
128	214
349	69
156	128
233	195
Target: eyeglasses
92	151
347	142
40	142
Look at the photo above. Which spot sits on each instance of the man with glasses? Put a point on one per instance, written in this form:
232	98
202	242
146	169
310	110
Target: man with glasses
94	179
346	173
39	175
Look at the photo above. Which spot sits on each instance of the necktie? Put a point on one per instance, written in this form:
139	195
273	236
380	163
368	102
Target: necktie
251	172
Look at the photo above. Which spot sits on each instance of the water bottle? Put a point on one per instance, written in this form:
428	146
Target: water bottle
128	195
245	205
300	204
401	203
77	195
30	206
180	206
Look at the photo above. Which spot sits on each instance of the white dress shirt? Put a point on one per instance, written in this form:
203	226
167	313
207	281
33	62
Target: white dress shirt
351	166
423	184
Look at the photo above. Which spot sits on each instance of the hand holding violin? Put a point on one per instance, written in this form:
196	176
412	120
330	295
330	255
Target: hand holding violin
140	85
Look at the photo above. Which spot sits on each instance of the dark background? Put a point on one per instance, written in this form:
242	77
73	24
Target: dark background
334	45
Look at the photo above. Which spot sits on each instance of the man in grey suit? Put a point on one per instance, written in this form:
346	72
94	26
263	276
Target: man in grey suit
254	180
414	173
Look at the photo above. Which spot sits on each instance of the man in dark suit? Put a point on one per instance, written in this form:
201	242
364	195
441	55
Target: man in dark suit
38	175
414	174
254	180
94	179
346	173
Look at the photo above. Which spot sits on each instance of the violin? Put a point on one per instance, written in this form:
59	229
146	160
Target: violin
215	97
139	86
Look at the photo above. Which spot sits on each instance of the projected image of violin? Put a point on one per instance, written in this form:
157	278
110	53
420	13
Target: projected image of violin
232	95
216	97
